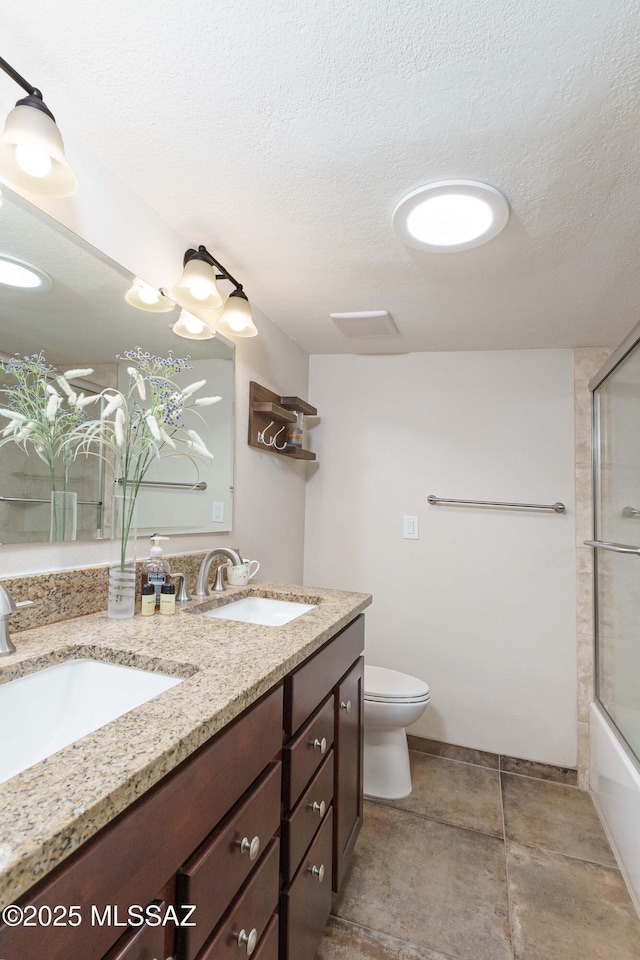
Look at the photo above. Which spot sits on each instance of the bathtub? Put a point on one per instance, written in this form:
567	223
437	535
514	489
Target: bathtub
615	787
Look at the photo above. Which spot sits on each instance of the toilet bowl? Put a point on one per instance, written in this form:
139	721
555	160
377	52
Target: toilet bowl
392	701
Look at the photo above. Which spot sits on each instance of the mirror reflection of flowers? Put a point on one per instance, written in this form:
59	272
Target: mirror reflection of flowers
44	415
144	423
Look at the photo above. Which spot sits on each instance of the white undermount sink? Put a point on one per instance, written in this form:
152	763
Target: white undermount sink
263	610
48	710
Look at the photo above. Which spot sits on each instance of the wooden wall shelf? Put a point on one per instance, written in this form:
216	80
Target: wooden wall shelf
265	408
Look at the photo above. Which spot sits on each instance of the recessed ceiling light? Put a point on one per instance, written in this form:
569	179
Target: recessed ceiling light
22	274
450	215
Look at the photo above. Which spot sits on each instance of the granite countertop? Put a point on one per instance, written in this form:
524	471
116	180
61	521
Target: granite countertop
49	810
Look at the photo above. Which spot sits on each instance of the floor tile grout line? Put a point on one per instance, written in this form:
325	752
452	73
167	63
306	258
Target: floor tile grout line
467	763
566	856
390	936
483	766
557	783
425	816
506	872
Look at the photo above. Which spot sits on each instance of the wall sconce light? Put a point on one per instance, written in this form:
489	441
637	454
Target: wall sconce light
236	319
192	328
145	297
31	148
197	290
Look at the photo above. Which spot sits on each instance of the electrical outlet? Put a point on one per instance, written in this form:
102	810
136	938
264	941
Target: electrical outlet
218	511
411	528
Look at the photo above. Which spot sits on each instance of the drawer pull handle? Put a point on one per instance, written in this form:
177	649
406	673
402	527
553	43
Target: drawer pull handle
320	745
318	872
346	706
249	939
252	847
319	808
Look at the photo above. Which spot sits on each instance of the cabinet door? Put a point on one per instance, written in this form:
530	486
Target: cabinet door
147	943
348	800
306	903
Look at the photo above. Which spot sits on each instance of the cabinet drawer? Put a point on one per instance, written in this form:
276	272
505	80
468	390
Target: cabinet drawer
305	905
311	683
251	911
133	857
299	827
216	871
147	943
268	947
305	753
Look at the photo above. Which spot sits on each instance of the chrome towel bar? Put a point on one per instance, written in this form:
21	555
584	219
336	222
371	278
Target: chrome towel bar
556	507
81	503
614	547
202	485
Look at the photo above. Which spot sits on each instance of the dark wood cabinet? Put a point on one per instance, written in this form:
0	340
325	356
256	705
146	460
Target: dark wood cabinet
254	830
306	902
323	705
349	740
146	943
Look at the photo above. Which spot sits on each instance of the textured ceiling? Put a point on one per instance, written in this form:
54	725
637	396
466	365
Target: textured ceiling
282	135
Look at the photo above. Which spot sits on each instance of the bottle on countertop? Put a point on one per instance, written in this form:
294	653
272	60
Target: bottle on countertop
168	599
148	605
156	569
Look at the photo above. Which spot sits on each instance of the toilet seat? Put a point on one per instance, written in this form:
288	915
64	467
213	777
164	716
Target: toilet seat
382	685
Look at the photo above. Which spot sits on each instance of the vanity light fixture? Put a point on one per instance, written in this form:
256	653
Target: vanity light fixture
145	297
31	148
23	275
236	319
450	215
192	328
197	290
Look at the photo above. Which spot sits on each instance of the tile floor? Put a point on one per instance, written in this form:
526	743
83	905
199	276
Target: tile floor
481	864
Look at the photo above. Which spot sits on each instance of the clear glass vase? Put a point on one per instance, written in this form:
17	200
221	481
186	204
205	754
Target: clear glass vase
122	569
64	515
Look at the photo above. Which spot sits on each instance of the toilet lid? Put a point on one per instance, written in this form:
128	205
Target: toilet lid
383	684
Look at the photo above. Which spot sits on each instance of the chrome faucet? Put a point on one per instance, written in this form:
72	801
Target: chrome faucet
8	606
202	586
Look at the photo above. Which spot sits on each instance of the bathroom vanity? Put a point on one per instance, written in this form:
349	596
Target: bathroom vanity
233	850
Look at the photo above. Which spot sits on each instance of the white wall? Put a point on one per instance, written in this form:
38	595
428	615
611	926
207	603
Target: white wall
482	606
269	491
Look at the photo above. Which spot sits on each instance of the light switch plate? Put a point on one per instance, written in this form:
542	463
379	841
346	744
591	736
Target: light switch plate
411	528
218	511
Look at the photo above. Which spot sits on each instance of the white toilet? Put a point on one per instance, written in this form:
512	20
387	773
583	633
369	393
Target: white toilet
392	701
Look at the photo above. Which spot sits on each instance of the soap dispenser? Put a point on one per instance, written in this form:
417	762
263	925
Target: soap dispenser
156	569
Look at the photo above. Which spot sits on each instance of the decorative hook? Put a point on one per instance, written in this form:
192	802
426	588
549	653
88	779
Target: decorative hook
273	442
261	435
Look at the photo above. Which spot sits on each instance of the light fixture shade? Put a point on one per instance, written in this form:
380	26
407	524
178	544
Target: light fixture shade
32	153
143	296
192	328
196	289
449	215
236	319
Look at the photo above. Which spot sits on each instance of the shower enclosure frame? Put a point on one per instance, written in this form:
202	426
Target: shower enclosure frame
613	764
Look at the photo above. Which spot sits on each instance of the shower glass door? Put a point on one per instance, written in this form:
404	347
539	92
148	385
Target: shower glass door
617	525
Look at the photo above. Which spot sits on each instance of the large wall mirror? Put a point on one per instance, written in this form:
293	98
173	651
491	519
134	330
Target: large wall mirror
83	321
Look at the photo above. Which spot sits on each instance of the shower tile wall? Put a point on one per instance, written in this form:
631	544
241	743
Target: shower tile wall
587	362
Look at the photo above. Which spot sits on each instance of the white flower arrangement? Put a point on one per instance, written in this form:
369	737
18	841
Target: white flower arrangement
44	413
132	429
138	427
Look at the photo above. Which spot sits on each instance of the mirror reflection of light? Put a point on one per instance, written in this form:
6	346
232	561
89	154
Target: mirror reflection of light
33	160
147	294
19	274
193	324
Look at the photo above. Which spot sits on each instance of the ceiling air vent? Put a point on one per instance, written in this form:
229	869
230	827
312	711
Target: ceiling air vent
370	323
